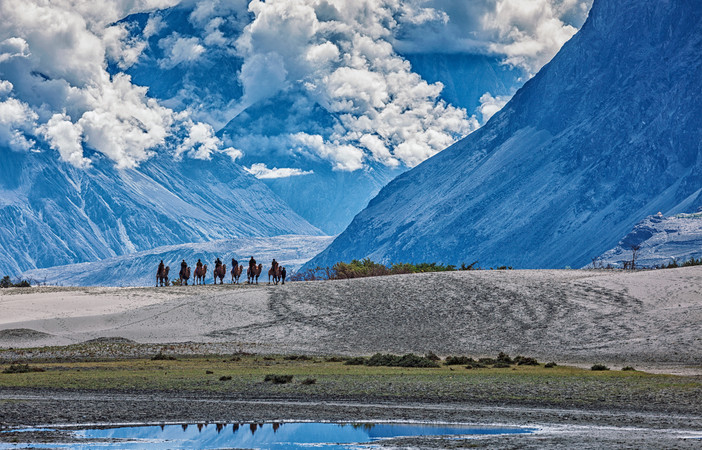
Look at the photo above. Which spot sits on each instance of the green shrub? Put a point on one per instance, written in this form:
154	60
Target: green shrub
504	358
408	360
432	356
501	365
599	367
486	361
525	361
161	357
458	360
297	358
475	365
225	378
308	381
628	368
357	361
278	379
22	368
550	365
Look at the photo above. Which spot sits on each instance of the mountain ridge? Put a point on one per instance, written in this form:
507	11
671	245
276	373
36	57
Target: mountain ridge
581	153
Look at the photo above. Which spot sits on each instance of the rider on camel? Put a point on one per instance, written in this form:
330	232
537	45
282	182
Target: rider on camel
218	262
235	263
252	263
274	264
161	267
199	264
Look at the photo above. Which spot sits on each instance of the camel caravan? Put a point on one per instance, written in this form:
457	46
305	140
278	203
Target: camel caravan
276	274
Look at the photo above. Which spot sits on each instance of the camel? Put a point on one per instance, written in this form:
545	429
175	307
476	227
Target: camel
236	273
200	274
250	274
184	276
259	269
275	273
219	272
162	276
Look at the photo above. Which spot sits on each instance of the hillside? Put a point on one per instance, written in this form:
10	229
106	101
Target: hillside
660	240
604	135
52	213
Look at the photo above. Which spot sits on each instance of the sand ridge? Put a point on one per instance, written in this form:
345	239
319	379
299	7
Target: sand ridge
643	318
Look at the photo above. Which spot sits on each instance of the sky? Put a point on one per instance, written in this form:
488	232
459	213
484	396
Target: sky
66	83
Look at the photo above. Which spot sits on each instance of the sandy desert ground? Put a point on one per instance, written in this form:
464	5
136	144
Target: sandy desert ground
648	318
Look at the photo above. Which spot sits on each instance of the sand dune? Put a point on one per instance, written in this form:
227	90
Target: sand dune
649	318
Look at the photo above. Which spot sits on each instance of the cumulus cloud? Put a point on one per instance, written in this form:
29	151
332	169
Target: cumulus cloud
343	57
340	56
490	105
180	50
16	120
55	86
260	171
526	33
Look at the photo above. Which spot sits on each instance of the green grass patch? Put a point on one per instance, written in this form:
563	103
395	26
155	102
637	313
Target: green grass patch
559	386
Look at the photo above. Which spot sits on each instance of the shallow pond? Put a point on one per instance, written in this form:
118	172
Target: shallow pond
263	436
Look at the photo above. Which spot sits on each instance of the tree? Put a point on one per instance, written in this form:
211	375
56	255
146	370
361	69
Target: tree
634	251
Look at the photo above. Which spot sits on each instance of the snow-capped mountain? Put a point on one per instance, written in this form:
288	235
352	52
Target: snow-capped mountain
139	269
52	213
604	135
659	240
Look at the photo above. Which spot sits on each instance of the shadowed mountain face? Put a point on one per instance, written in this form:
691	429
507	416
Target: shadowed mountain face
53	214
606	134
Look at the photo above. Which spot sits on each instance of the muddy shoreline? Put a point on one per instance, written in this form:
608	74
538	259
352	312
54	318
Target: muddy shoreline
628	427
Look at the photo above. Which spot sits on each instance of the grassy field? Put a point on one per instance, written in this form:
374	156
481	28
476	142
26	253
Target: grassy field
329	378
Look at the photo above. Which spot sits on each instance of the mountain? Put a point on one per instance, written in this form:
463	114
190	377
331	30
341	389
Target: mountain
660	241
604	135
139	269
52	213
326	197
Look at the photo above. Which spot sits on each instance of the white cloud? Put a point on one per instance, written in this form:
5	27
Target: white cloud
16	120
526	33
12	48
490	105
260	171
66	137
180	50
201	142
340	56
54	56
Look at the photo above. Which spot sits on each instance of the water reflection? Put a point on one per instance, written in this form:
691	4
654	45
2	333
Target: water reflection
274	436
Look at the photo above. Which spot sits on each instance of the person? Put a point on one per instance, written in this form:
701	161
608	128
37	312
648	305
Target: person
235	263
252	263
199	264
274	264
183	266
218	262
161	267
283	273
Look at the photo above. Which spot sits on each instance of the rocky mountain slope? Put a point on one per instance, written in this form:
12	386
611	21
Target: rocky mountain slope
660	240
604	135
52	213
